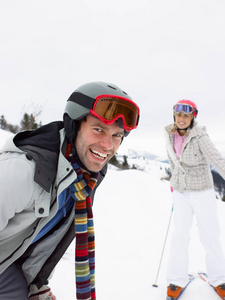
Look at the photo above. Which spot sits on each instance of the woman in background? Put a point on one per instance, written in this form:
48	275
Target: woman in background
190	152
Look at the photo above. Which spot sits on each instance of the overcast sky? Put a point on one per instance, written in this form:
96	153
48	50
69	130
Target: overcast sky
158	51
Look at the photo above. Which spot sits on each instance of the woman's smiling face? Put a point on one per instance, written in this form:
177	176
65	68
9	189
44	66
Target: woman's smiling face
183	120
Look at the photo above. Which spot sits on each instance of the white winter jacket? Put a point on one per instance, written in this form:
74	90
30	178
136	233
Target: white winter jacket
34	177
192	171
26	207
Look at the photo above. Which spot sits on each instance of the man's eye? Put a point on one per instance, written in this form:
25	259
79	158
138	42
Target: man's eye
118	135
98	129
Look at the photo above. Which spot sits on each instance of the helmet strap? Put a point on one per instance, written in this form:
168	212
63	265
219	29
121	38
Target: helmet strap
71	128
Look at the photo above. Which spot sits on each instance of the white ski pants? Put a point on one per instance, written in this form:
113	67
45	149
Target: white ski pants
203	205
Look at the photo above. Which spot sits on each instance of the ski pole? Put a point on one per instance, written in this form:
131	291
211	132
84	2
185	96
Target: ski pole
168	227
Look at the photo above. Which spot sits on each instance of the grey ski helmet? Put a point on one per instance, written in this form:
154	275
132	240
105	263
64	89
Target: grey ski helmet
81	102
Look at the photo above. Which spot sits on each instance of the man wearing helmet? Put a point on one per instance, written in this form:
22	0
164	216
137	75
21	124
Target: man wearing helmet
99	143
48	180
190	153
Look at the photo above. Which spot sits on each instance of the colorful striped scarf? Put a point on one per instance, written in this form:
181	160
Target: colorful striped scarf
84	229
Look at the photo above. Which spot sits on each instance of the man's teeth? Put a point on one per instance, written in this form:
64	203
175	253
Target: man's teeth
98	154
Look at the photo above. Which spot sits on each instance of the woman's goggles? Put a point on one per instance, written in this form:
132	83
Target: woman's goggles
186	108
109	108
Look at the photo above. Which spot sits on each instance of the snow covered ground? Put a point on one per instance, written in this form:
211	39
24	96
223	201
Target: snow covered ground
132	209
131	212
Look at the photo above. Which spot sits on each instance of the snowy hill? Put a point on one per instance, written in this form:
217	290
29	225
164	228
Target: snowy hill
4	135
132	209
146	162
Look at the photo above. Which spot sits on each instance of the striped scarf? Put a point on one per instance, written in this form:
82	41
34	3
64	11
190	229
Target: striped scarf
84	228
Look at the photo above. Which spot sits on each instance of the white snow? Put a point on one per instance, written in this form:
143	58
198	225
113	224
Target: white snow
132	209
4	135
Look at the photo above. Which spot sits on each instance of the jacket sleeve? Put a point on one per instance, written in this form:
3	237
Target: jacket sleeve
16	185
213	156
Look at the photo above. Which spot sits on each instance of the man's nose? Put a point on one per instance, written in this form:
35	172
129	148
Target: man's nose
106	142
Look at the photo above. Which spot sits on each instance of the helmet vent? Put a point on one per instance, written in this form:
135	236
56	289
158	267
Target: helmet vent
112	87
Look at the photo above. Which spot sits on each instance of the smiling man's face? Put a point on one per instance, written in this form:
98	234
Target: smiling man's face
96	142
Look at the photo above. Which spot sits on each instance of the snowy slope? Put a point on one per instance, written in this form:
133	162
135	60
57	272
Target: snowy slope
4	135
131	222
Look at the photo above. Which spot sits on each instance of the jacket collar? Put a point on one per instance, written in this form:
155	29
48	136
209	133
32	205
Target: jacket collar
42	145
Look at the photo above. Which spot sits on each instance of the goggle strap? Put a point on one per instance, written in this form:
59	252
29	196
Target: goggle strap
82	100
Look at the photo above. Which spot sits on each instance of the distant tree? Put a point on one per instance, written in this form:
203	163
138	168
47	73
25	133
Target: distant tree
114	161
13	128
29	122
7	126
3	123
125	163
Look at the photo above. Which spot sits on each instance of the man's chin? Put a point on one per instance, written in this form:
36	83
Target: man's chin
96	167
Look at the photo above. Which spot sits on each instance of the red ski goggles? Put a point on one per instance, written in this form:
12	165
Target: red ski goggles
186	108
109	108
